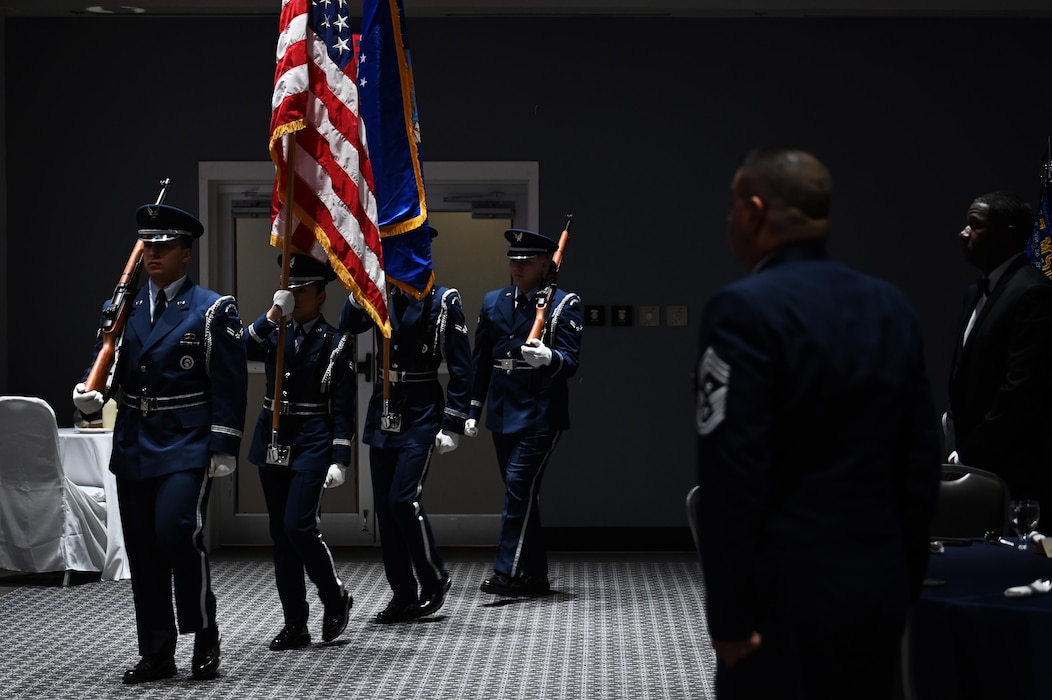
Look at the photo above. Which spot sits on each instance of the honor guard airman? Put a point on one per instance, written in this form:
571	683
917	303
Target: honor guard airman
417	419
311	449
180	381
526	386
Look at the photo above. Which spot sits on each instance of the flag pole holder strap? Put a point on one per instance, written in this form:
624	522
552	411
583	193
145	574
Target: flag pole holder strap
278	455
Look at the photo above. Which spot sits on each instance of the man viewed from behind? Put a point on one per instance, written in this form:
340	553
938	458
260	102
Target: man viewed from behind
817	443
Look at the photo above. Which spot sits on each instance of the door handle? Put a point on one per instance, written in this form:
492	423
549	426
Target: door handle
365	367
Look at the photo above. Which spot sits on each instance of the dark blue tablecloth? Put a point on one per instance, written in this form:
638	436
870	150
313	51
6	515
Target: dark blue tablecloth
968	640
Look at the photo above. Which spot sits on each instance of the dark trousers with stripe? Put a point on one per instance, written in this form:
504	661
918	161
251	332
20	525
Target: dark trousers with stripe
522	458
163	520
406	541
294	507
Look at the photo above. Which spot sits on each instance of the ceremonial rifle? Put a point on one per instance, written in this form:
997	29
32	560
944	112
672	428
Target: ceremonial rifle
551	283
100	378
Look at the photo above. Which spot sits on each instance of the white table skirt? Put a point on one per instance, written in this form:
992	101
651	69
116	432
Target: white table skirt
86	460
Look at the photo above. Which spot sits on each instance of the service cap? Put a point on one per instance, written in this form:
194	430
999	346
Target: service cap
159	223
527	244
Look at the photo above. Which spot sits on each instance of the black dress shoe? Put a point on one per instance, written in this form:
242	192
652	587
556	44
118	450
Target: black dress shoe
205	661
398	612
431	601
534	585
500	584
334	622
152	667
291	637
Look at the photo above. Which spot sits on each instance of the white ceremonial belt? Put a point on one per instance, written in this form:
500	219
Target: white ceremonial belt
292	408
149	404
508	364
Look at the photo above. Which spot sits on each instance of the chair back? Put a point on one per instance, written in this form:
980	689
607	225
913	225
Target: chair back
971	502
692	513
29	439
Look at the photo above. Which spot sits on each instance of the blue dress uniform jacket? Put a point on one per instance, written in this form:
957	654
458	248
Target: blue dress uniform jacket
318	391
183	385
1001	382
818	467
524	398
417	350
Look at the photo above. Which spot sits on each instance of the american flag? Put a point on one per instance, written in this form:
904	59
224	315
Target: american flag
333	213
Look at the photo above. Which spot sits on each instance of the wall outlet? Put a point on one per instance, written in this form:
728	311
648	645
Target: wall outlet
676	315
594	315
621	315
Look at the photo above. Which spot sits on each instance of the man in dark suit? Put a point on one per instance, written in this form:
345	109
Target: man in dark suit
527	386
403	432
817	452
1001	382
312	449
182	381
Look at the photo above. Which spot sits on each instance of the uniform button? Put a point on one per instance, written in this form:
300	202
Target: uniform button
142	368
395	347
288	374
284	394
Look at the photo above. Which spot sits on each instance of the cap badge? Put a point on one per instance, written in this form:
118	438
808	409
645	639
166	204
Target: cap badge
518	236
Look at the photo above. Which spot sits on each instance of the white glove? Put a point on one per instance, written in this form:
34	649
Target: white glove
536	353
471	427
86	401
953	458
222	465
353	301
446	441
1041	585
284	300
337	473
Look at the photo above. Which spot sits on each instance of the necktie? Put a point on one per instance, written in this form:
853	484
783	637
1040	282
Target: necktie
982	286
522	303
159	305
300	334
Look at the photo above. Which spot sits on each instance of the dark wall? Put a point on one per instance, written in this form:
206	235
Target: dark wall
637	126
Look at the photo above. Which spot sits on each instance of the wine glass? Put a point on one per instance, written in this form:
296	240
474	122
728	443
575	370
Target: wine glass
1024	515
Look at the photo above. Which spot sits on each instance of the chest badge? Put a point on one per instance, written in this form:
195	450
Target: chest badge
186	362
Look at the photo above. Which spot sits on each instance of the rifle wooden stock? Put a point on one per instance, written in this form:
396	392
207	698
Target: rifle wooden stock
544	296
113	320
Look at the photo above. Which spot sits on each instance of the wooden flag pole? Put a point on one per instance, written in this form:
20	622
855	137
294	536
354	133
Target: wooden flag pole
286	245
388	422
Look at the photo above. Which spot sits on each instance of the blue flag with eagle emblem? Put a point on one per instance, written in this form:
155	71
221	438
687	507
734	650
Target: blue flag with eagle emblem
388	107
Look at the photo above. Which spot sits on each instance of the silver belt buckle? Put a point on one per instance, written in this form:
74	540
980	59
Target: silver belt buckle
507	364
145	404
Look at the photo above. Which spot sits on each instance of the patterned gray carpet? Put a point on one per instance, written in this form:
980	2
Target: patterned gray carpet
613	629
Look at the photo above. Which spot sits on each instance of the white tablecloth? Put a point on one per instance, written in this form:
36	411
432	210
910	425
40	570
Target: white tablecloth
86	460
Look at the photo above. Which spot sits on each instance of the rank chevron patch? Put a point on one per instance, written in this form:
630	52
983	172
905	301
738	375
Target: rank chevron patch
714	379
